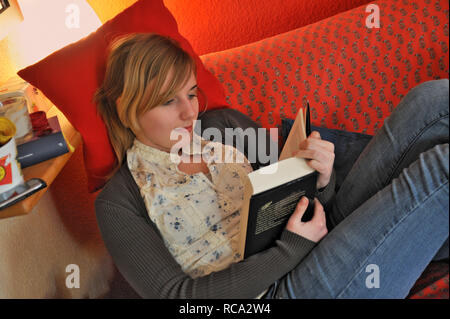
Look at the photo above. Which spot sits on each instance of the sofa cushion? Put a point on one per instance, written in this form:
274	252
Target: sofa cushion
70	77
352	75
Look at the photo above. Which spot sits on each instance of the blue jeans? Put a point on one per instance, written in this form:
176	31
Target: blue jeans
390	216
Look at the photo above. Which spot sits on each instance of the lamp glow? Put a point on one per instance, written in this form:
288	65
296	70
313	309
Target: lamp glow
48	26
9	18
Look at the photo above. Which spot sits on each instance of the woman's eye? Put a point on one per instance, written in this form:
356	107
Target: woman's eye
168	102
191	96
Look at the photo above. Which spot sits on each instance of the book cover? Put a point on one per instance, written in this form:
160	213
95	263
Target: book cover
273	192
42	148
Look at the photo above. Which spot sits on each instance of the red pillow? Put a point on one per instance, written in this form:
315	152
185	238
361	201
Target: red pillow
70	77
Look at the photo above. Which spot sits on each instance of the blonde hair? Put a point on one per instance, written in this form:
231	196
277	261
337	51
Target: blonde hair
137	68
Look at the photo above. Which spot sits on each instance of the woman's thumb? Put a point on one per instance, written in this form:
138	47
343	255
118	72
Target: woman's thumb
302	205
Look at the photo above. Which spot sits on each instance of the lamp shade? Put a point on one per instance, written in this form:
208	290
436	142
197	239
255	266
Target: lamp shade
49	25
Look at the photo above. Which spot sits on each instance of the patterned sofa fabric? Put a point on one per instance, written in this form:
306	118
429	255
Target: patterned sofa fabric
353	76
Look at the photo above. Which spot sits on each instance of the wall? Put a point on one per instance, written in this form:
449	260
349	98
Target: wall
107	9
216	25
7	68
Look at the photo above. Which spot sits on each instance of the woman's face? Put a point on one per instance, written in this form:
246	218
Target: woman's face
179	114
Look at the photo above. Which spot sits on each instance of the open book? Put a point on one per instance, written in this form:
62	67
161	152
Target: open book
273	192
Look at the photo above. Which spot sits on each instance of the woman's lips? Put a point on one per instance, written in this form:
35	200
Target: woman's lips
187	128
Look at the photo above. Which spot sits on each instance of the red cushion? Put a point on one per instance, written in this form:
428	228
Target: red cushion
352	76
70	77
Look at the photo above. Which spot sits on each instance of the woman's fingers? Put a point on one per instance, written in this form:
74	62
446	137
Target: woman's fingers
321	161
297	215
315	229
317	154
318	166
315	134
314	141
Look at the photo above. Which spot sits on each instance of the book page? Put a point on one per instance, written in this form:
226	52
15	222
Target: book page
278	173
296	135
248	193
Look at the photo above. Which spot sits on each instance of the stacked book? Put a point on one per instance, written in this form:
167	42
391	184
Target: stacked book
42	148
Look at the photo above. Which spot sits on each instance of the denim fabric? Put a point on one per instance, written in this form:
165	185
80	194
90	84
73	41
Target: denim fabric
390	215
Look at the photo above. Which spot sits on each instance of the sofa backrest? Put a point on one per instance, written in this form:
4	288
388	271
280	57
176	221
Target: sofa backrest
353	76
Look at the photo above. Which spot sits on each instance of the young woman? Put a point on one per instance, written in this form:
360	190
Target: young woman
171	223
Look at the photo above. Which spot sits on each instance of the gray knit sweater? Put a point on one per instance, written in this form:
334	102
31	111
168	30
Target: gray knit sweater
139	252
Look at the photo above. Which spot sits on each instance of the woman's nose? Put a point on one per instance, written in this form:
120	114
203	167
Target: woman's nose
188	109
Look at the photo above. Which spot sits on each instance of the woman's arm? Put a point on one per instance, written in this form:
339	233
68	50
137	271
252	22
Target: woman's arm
141	256
327	194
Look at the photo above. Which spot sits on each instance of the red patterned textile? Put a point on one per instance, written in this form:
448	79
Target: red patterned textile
353	76
433	284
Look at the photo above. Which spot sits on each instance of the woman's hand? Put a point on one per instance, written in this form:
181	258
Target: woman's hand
313	230
320	156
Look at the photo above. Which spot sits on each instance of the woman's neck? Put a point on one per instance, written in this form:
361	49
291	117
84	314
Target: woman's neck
192	164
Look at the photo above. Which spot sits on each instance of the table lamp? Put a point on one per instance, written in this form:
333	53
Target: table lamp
10	16
47	26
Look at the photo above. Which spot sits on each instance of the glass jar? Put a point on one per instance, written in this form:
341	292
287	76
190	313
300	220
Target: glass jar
15	109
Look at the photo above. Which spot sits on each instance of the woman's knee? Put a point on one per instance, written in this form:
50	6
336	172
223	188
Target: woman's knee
424	105
431	97
433	88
